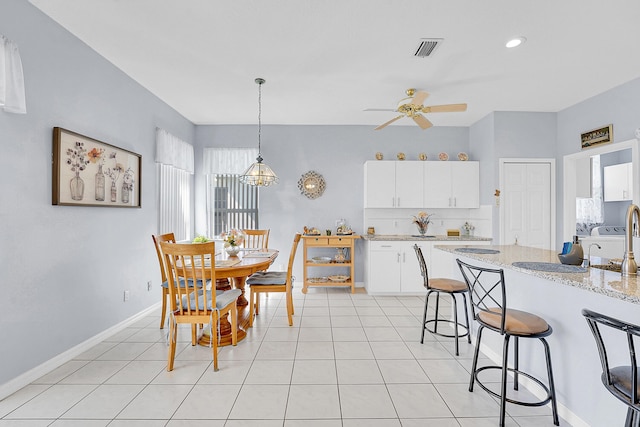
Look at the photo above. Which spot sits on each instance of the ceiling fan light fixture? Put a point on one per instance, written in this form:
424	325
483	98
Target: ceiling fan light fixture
259	174
515	42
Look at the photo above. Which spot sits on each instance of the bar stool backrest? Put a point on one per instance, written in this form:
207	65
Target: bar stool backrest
487	291
423	266
628	379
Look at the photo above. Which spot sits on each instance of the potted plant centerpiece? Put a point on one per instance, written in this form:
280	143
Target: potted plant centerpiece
232	241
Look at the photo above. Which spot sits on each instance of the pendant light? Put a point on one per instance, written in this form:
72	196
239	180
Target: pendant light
258	173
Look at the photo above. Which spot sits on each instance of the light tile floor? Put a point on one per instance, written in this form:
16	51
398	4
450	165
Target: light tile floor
349	360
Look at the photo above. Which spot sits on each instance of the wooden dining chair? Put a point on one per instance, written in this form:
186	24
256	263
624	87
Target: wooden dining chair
186	264
273	281
256	239
157	239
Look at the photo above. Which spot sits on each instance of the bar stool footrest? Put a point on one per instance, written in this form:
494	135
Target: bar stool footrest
524	374
466	333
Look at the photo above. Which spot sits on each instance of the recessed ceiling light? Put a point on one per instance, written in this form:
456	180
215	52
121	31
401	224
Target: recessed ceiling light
515	42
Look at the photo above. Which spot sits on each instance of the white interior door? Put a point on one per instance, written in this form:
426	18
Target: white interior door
527	197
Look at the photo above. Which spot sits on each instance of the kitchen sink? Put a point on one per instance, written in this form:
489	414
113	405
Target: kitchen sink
609	267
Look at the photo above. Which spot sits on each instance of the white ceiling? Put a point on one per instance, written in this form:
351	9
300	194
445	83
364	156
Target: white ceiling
325	61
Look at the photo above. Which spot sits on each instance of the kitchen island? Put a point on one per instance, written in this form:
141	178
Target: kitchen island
559	299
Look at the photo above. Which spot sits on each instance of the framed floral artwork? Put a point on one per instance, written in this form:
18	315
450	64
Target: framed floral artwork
88	172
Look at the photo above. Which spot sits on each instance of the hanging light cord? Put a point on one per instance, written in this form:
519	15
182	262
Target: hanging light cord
260	81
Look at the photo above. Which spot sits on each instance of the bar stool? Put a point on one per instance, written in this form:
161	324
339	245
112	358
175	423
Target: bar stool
621	381
488	305
447	286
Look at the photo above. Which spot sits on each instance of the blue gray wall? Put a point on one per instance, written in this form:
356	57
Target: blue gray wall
619	106
337	153
65	269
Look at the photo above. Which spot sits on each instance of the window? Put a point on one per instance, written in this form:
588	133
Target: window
230	204
175	185
590	211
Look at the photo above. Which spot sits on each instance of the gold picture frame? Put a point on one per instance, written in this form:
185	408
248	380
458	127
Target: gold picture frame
602	135
88	172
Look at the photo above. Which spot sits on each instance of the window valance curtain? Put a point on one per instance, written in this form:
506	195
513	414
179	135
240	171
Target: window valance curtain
171	150
12	98
228	160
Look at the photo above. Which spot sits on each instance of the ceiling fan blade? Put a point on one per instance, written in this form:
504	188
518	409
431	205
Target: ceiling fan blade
419	97
422	121
449	108
389	122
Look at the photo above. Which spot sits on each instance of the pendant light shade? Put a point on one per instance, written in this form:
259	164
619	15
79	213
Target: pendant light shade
259	174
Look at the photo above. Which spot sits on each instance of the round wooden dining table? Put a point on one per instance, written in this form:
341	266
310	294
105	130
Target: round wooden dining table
237	269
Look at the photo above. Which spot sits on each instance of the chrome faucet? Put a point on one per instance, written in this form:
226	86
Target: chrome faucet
629	265
587	262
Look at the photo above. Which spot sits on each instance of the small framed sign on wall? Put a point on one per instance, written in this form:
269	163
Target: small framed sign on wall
598	136
88	172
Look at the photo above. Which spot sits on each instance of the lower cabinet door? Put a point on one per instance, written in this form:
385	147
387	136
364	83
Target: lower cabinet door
411	281
384	272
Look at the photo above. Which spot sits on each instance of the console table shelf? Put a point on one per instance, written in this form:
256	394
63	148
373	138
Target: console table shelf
347	267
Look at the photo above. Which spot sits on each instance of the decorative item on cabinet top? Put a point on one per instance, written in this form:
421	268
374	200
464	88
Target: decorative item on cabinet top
311	231
311	184
422	156
379	156
401	156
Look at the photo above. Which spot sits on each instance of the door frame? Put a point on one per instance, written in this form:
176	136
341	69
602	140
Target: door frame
570	179
552	205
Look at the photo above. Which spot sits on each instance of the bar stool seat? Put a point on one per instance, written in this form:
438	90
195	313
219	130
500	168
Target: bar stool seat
516	322
487	286
449	286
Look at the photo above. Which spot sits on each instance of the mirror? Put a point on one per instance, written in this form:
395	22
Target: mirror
311	184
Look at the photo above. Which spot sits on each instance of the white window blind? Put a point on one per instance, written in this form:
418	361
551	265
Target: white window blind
590	211
230	204
12	98
174	158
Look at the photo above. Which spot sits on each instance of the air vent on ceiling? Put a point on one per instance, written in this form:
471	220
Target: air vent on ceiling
427	46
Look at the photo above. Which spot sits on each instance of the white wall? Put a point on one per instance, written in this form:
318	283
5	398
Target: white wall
65	269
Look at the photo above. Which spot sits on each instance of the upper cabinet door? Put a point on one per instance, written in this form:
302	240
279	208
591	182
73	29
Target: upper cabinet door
465	188
409	179
437	184
380	184
618	182
451	185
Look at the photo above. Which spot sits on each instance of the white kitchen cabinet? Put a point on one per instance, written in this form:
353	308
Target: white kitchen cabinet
451	185
392	267
618	182
393	184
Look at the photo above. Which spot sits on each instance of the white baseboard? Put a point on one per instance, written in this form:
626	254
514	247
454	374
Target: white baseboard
31	375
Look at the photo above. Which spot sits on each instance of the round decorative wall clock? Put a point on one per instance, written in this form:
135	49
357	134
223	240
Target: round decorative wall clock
312	184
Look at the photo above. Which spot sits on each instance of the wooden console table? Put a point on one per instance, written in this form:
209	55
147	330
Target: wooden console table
347	267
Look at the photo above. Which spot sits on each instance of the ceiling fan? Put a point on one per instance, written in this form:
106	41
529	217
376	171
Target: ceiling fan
412	107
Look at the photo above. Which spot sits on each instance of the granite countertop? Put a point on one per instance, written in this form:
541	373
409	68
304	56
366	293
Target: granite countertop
604	282
403	237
